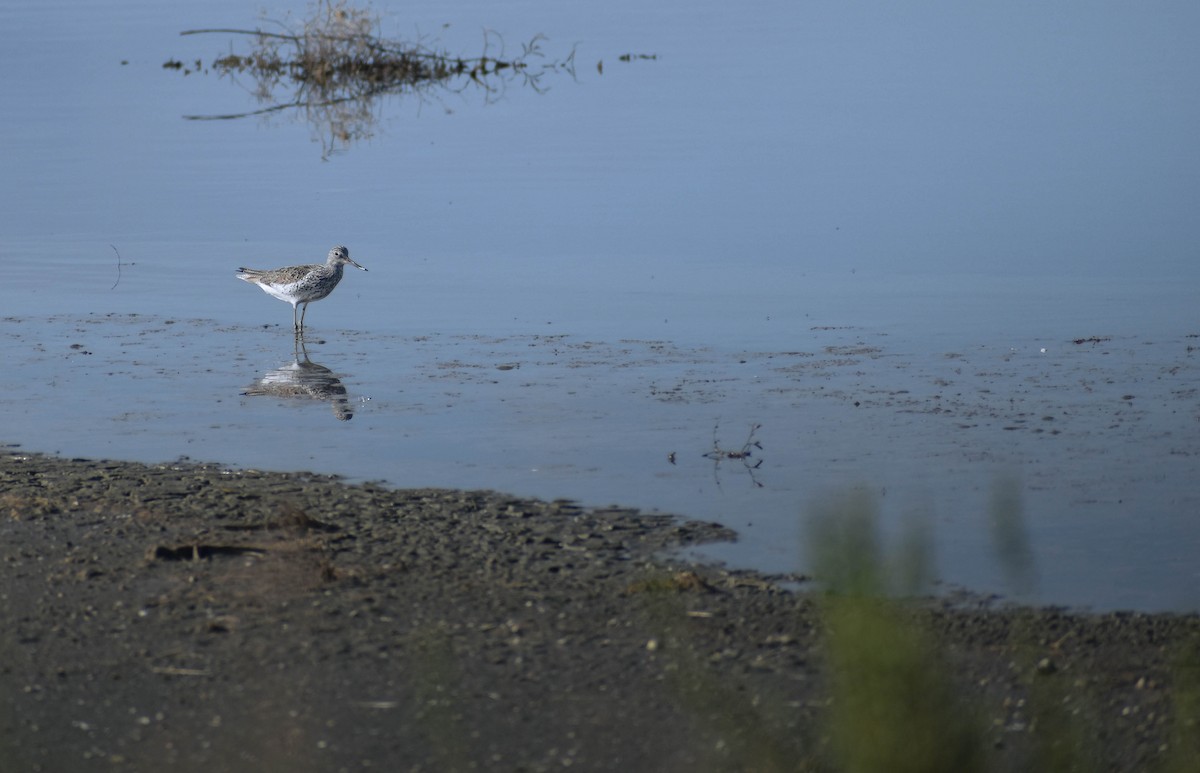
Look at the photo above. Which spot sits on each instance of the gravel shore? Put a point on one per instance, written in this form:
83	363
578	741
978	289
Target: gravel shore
190	617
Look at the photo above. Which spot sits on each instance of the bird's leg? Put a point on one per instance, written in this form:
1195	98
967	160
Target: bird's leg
302	313
295	324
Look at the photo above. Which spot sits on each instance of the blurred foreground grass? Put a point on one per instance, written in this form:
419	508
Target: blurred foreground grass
893	703
893	698
893	706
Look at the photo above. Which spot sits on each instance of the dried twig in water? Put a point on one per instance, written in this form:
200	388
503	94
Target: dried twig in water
745	453
118	267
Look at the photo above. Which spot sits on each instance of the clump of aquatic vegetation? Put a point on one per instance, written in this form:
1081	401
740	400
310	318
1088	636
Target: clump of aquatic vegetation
334	65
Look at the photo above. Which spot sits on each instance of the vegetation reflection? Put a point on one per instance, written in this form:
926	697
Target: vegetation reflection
333	67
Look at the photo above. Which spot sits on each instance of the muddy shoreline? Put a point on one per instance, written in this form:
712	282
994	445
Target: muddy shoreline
200	618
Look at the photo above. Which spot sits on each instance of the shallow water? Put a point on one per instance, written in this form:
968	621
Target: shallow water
876	236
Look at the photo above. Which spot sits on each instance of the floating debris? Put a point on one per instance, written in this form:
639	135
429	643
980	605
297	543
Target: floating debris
744	454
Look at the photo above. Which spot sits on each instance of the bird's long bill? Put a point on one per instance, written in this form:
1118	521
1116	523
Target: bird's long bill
353	263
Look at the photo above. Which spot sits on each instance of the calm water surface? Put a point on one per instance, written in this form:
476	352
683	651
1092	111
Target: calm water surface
876	232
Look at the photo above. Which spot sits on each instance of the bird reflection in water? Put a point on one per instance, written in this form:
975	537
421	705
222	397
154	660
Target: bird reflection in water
304	379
